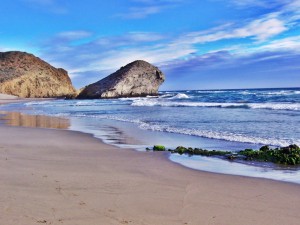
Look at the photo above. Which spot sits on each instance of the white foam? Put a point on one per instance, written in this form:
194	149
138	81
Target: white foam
132	98
227	136
220	135
287	92
210	91
245	93
271	106
180	96
85	103
276	106
143	102
166	96
37	103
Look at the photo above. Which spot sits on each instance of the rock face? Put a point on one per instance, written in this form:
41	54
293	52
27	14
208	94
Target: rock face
27	76
138	78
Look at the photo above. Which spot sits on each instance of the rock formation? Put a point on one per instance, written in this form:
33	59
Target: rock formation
138	78
25	75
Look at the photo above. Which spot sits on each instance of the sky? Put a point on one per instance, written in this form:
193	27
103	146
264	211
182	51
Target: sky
198	44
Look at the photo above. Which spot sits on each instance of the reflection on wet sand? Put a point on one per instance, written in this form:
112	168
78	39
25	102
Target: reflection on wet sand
23	120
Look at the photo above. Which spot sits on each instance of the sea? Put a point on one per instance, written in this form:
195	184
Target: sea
229	120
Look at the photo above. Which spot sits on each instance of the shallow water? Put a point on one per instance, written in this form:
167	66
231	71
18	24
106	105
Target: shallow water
212	164
18	119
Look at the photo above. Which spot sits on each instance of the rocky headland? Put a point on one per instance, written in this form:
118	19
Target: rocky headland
136	79
27	76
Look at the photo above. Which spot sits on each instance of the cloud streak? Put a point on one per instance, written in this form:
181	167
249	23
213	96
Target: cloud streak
53	6
259	30
153	47
260	3
246	71
145	8
74	35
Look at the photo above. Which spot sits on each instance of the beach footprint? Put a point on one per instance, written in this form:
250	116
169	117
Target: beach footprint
82	203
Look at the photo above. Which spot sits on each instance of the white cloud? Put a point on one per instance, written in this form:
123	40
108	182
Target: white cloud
145	8
293	5
74	35
48	5
144	36
260	30
287	11
141	12
130	39
184	46
154	54
136	38
291	11
109	53
284	44
260	3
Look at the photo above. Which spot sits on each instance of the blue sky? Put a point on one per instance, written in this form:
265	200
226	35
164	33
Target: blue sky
198	44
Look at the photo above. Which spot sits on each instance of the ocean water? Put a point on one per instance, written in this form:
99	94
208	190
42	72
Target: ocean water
211	119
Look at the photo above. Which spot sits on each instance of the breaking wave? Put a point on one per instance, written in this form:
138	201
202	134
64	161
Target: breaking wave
271	106
180	96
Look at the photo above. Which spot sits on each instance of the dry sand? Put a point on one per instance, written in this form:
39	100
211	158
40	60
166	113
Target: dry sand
63	177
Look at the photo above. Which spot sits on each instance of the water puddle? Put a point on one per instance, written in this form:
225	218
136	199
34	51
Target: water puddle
17	119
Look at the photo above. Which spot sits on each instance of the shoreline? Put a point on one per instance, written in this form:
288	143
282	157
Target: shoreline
203	164
16	119
54	176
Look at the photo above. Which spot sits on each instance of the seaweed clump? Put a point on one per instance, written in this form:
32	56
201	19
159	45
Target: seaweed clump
159	148
289	155
198	151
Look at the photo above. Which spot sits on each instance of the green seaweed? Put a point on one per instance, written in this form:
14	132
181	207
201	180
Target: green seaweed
198	151
159	148
289	155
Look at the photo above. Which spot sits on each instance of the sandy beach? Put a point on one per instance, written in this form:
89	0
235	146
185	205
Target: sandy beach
62	177
150	112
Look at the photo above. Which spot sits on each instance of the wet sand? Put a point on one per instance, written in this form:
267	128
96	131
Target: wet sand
6	99
63	177
18	119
